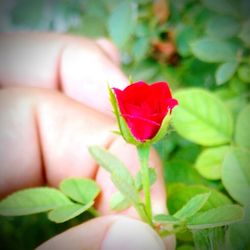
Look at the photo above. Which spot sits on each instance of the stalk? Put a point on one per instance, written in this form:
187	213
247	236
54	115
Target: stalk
143	152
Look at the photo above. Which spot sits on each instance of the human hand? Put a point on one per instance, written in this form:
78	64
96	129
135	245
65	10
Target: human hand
44	134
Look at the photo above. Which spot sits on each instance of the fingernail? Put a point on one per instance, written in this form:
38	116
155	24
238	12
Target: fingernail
110	49
130	234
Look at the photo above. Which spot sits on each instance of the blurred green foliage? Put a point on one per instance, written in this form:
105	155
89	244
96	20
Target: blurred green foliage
189	43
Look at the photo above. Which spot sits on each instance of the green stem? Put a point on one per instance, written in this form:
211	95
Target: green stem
143	152
141	211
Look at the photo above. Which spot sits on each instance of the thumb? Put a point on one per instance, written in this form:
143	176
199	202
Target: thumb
107	233
131	234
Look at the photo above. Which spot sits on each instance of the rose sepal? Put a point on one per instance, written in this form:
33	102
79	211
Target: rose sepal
124	129
163	129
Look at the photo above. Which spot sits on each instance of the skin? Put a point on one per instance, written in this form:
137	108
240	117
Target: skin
53	104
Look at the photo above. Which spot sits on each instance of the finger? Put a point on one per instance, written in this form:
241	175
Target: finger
85	76
44	138
76	66
128	155
108	233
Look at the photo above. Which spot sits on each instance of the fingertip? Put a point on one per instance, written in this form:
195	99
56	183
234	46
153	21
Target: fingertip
107	233
127	233
85	73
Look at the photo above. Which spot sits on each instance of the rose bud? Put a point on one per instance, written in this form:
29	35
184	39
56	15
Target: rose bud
143	111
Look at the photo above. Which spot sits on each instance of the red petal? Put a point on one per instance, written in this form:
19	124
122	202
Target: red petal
141	128
172	103
161	90
136	92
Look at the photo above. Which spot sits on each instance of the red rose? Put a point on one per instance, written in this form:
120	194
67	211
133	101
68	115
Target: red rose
144	107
